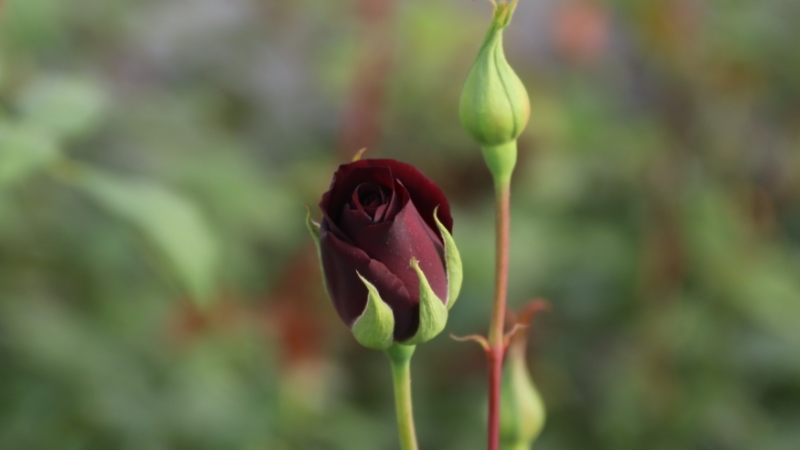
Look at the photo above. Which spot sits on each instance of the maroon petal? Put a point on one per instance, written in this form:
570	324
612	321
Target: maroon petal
395	243
345	181
424	193
352	221
340	261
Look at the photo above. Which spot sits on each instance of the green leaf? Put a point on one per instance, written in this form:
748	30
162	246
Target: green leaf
23	151
452	258
68	107
375	327
30	23
432	312
173	224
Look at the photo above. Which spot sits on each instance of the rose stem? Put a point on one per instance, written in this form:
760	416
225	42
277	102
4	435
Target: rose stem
400	357
501	165
496	347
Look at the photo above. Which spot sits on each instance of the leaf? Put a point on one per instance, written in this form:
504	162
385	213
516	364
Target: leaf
432	312
68	107
30	23
170	222
23	151
375	327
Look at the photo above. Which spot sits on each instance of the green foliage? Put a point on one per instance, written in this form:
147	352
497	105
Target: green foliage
155	151
61	106
171	222
24	150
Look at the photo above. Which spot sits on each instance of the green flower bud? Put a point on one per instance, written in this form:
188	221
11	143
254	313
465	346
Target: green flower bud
522	413
494	105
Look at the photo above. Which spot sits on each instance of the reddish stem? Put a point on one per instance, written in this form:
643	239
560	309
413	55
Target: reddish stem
496	346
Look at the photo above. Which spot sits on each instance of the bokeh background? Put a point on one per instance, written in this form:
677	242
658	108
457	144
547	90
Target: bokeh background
158	289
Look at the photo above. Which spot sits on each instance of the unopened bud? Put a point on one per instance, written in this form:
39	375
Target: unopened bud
494	106
522	414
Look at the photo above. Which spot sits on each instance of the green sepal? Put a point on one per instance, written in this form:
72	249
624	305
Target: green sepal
313	228
374	328
452	258
432	312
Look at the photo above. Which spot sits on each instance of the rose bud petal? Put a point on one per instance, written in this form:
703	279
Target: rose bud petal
378	216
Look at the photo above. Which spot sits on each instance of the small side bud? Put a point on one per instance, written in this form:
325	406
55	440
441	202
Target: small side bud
522	413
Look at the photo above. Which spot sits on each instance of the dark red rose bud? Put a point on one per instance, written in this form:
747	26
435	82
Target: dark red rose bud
379	215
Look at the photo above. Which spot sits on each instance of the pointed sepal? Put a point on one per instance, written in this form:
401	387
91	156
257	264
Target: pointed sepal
313	229
452	259
432	312
374	328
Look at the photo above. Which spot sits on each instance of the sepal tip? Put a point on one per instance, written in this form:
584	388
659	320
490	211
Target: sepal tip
432	311
374	328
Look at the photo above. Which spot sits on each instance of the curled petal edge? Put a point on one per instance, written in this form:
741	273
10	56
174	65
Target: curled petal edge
432	312
374	328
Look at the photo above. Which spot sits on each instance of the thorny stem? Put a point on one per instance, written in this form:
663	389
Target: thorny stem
400	357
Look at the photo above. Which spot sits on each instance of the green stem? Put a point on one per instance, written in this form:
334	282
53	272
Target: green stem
501	161
400	357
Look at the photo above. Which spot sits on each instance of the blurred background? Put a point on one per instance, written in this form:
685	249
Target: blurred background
159	290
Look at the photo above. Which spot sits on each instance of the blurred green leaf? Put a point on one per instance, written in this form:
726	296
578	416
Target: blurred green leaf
31	22
171	222
69	107
23	151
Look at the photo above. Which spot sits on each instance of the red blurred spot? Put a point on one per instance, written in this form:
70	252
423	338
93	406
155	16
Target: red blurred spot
294	311
582	31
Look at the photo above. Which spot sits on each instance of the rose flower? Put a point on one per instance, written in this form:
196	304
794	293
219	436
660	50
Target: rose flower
390	265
